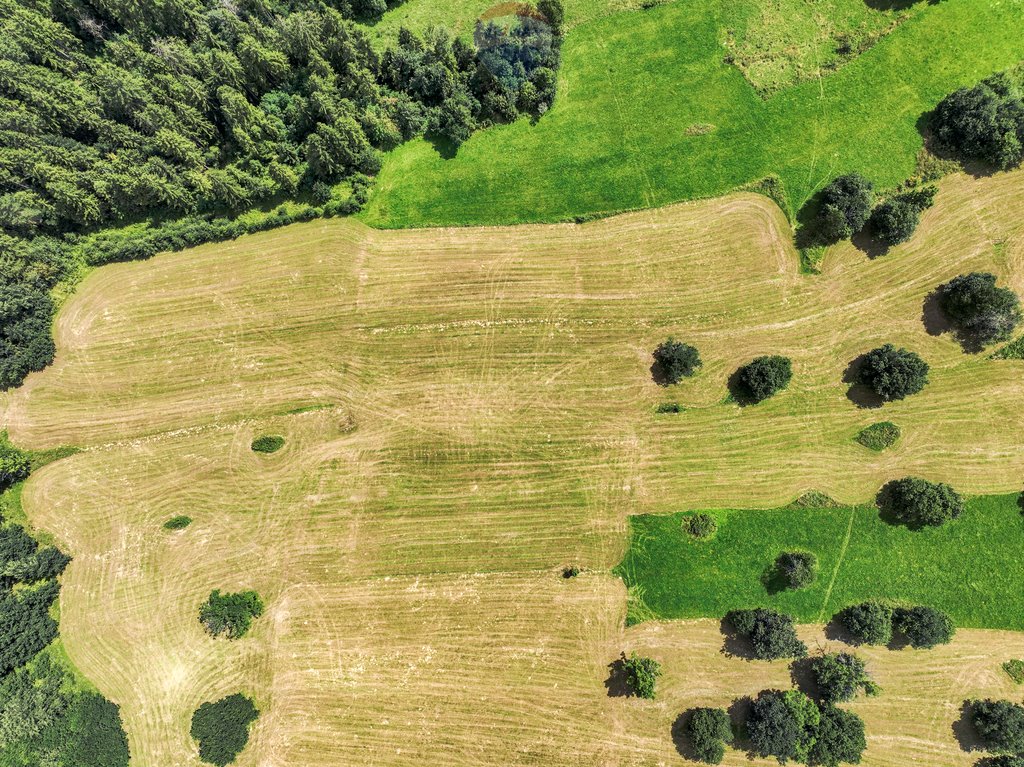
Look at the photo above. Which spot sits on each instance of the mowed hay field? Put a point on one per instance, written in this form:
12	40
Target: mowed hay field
466	411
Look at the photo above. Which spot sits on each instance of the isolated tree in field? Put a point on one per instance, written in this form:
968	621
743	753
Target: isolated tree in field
924	627
892	373
771	633
999	724
984	123
840	738
709	730
783	725
676	360
230	614
977	307
840	676
641	675
896	219
845	207
700	525
868	622
919	503
797	569
222	728
764	377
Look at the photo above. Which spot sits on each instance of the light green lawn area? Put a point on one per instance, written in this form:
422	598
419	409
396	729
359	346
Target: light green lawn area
631	85
969	567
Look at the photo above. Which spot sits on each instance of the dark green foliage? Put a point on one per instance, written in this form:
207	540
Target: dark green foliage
709	730
676	360
1012	351
924	627
892	373
979	309
1003	760
230	614
25	625
700	525
668	407
764	377
552	11
796	569
771	633
919	503
570	572
95	736
840	738
178	523
999	724
15	464
267	443
879	436
868	622
839	676
222	728
783	725
896	219
25	341
845	207
641	675
984	123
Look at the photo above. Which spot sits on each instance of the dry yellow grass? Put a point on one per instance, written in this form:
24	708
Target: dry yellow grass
486	417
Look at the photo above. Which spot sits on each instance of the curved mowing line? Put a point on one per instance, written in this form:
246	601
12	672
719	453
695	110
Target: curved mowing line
839	563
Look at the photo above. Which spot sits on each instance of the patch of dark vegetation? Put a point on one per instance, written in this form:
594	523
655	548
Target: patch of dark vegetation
701	734
838	677
1012	351
918	503
178	523
640	675
998	724
1015	670
879	436
700	525
837	212
895	220
792	571
866	623
814	499
979	311
760	379
230	614
923	627
267	443
222	728
571	571
674	361
669	408
771	635
983	123
889	373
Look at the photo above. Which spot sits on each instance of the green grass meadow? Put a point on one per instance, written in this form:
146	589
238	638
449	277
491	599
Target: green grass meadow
632	83
970	567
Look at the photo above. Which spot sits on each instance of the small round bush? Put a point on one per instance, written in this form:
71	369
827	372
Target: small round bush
924	627
840	738
980	309
177	523
893	373
764	377
222	728
919	503
676	360
570	572
797	569
709	730
868	622
701	525
230	614
267	443
879	436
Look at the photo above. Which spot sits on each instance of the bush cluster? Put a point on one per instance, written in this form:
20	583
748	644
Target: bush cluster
222	728
230	614
879	436
772	634
896	219
700	525
789	725
845	207
267	443
876	622
840	676
999	724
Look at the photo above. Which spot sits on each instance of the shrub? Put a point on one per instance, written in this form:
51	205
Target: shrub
222	728
764	377
570	572
783	725
230	613
771	633
267	443
985	122
868	622
797	569
177	523
892	373
676	360
845	207
839	676
15	464
1015	670
641	675
879	436
700	525
709	730
980	309
919	503
668	407
840	738
924	627
999	724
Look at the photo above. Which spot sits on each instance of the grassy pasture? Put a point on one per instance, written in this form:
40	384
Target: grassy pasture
967	568
632	84
467	411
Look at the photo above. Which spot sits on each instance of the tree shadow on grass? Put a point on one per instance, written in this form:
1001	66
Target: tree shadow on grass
802	675
964	732
860	395
616	683
739	713
835	631
738	392
773	580
736	645
936	323
681	738
658	374
868	244
443	145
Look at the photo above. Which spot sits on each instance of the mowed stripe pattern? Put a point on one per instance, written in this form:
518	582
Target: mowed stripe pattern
466	411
